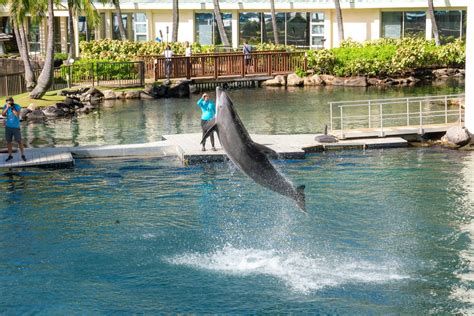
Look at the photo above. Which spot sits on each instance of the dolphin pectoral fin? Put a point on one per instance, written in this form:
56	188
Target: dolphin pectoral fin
300	198
210	127
266	150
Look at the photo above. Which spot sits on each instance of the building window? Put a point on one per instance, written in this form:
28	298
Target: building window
451	24
317	30
85	32
293	28
140	27
403	24
5	26
126	19
207	32
33	35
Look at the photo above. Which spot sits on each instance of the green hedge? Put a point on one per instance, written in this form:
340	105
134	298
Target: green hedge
386	57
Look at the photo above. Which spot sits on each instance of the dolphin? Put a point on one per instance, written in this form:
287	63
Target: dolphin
248	156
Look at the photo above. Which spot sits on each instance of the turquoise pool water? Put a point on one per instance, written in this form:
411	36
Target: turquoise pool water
388	232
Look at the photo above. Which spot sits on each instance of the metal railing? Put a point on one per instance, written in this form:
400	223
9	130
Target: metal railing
400	112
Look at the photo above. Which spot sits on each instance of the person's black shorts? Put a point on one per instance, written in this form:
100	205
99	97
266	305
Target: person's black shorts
248	61
11	133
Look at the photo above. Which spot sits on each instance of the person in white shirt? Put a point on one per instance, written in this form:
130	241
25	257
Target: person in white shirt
168	53
188	50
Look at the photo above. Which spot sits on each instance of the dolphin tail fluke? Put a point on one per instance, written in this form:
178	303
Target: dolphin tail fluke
300	198
210	127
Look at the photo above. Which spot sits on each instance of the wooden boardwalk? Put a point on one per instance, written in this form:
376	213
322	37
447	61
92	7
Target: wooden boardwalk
38	158
392	131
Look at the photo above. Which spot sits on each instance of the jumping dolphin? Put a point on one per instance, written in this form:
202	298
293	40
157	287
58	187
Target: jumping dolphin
249	156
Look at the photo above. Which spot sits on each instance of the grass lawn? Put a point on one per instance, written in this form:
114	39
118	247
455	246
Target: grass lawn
24	100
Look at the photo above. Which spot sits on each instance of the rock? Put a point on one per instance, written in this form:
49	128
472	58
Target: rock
148	89
180	90
314	80
375	82
293	80
120	95
145	96
95	93
457	135
108	104
278	81
132	95
53	111
356	82
327	79
36	115
32	107
24	113
109	95
193	89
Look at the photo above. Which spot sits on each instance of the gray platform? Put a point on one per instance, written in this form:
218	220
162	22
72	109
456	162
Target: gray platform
38	158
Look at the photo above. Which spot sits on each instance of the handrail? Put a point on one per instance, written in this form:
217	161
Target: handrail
395	112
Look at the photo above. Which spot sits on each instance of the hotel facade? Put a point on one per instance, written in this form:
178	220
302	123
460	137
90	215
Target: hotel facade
303	23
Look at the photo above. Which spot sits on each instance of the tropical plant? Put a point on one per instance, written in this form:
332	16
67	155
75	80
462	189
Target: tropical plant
174	35
45	78
340	24
433	22
220	23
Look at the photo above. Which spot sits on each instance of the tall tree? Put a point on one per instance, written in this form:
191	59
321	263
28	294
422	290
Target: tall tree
433	22
174	35
340	24
85	7
118	14
274	23
45	78
220	23
18	11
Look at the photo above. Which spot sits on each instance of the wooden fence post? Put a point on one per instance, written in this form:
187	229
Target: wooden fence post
216	67
188	67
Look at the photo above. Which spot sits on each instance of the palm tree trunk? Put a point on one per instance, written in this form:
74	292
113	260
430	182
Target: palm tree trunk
118	13
220	23
45	78
25	56
72	38
340	24
274	23
174	35
433	22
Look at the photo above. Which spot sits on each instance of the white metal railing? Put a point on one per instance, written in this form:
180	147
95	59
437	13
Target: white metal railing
399	112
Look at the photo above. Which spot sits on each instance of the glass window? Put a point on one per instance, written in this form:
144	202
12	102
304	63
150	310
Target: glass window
464	25
450	24
33	35
317	30
5	25
141	27
414	24
126	18
280	21
85	32
297	29
392	24
250	26
207	32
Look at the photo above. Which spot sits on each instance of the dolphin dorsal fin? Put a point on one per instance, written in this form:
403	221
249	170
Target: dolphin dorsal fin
264	149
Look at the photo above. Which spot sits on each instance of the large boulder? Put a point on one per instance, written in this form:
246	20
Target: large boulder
278	81
109	95
53	111
36	116
314	80
456	135
132	95
293	80
24	113
94	93
356	82
179	90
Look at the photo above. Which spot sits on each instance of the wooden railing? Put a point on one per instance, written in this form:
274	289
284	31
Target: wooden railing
229	65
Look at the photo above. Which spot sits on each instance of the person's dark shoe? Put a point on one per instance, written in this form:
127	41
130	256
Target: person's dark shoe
203	149
10	157
23	157
214	148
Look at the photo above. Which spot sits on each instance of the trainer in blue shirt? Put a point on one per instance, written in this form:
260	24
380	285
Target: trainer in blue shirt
208	109
11	112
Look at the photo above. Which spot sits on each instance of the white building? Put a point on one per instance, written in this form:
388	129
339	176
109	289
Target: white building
305	23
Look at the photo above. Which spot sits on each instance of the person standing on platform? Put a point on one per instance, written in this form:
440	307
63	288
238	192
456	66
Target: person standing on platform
168	53
11	112
208	109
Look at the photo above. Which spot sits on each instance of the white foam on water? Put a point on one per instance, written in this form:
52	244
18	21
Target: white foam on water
298	271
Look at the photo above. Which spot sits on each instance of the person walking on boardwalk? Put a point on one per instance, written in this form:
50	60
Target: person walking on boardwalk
208	109
11	112
168	53
247	49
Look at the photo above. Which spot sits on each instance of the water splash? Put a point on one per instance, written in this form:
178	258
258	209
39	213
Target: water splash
298	271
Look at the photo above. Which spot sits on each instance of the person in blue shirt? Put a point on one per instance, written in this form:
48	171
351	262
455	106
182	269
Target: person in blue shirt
11	113
208	109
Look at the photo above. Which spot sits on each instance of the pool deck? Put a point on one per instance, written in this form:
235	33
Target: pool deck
187	148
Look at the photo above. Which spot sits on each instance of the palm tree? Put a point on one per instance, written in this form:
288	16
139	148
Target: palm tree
274	22
433	22
45	78
220	23
80	6
118	14
340	24
174	36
